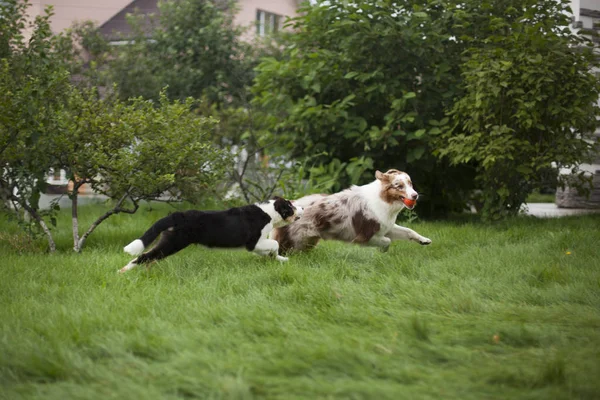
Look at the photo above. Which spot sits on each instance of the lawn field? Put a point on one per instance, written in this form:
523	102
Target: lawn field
503	311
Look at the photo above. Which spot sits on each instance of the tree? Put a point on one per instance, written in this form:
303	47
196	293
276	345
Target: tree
191	46
134	151
129	150
529	104
366	85
32	80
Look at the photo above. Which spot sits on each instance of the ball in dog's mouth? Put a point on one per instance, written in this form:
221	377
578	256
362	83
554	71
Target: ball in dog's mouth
409	203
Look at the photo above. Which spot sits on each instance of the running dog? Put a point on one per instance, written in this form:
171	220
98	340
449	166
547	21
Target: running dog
361	214
246	226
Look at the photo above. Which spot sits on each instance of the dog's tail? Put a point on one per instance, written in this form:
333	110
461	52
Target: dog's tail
138	245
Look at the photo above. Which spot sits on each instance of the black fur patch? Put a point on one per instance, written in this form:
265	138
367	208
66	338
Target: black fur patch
283	207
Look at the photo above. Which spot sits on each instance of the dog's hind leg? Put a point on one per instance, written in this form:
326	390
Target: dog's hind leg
268	247
169	243
401	233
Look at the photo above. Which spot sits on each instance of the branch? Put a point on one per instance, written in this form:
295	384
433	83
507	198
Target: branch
168	201
116	210
75	209
259	188
74	216
239	176
274	185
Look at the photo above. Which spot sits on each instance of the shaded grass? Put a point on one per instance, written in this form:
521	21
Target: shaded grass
537	197
487	311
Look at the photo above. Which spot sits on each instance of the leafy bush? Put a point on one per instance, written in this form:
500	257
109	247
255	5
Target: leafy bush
529	101
135	151
129	150
368	84
33	77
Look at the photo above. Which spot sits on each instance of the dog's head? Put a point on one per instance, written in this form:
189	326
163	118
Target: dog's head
396	187
287	211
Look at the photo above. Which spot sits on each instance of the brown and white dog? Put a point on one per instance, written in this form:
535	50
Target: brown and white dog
361	214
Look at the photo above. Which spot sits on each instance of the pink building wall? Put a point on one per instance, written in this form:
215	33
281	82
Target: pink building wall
246	15
66	12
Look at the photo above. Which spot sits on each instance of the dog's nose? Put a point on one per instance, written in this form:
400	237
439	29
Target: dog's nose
415	196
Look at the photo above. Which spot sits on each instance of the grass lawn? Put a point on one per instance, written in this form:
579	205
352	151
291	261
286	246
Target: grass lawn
504	311
538	197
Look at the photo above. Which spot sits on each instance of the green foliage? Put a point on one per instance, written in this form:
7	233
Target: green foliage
529	100
85	51
135	151
191	46
129	150
170	151
139	149
33	76
369	80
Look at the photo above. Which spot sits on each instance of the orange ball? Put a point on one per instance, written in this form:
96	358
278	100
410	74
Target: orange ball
409	203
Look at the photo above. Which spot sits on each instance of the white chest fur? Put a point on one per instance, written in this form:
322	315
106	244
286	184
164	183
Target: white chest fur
384	213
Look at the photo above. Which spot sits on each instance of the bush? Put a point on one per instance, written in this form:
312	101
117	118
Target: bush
529	102
129	150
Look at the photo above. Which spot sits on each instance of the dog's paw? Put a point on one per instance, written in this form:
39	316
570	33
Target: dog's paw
384	249
424	241
129	266
281	258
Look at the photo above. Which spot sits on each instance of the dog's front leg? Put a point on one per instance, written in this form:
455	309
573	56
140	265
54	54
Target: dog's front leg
132	264
401	233
268	247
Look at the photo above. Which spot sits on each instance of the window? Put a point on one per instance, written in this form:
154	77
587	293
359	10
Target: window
267	23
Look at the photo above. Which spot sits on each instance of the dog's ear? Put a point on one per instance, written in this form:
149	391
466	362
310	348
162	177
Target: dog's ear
283	207
381	176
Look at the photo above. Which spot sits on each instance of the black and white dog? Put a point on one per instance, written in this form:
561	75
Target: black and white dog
246	226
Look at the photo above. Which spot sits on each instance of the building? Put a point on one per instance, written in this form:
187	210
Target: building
66	12
260	16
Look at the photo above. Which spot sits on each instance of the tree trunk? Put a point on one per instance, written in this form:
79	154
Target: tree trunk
75	221
75	212
40	221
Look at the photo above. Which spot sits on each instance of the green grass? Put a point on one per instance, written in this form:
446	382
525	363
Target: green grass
486	312
538	197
